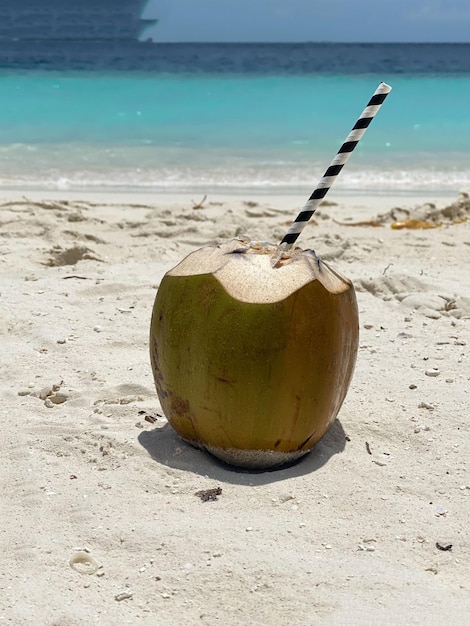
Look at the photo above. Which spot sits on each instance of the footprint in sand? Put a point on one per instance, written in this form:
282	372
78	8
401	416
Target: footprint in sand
392	285
413	294
123	395
70	256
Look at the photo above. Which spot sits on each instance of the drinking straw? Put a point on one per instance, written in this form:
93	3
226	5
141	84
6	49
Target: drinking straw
333	170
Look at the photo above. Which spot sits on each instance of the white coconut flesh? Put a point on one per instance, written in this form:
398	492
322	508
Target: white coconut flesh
246	273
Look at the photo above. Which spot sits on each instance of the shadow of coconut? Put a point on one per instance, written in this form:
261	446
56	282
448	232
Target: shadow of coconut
165	446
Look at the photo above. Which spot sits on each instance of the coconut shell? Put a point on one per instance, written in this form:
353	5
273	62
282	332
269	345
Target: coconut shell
251	362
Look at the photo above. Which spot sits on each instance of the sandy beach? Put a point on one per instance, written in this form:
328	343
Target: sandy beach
99	517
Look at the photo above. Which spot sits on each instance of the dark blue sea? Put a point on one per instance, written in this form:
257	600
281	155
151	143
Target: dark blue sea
122	114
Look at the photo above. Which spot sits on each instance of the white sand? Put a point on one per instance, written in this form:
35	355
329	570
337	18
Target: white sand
346	536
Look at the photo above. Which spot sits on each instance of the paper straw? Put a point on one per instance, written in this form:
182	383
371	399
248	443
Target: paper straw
333	170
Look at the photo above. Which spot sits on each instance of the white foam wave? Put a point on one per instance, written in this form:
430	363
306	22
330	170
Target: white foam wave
188	179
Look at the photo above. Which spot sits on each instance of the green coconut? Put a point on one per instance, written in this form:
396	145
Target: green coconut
252	362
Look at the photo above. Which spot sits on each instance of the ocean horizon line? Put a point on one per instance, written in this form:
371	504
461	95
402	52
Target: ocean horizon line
150	41
307	42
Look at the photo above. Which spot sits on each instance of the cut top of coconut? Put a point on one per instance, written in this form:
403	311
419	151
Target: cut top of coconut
246	273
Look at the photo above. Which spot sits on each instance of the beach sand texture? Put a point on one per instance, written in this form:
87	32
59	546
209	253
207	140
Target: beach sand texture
99	517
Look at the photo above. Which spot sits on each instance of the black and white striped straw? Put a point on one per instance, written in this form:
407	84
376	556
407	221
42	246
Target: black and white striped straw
334	169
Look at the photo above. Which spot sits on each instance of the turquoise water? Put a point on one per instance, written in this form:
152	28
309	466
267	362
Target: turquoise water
214	130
